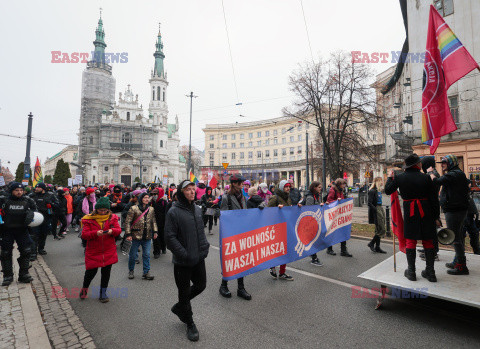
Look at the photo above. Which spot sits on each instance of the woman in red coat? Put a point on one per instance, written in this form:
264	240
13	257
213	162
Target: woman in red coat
100	228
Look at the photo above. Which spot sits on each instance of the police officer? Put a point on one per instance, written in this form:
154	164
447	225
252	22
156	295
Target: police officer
421	211
46	204
234	200
17	213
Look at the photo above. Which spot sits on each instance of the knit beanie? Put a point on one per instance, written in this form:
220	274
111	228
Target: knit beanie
89	191
102	202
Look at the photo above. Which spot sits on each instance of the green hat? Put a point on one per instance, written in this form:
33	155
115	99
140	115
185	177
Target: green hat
103	202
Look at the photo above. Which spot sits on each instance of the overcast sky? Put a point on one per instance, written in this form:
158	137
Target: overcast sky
268	41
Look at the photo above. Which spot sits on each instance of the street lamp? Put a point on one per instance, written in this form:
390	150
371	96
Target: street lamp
191	96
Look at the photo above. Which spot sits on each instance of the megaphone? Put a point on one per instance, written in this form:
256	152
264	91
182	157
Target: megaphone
37	219
445	236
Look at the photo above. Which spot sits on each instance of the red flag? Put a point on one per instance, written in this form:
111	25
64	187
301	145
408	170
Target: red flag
397	221
213	182
446	61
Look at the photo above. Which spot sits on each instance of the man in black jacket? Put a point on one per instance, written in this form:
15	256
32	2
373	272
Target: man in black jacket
46	204
159	204
186	239
420	213
60	215
454	202
17	213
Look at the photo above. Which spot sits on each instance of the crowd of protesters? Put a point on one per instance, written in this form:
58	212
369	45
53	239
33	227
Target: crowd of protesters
178	219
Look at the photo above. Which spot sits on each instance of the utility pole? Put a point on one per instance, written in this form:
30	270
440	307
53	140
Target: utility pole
191	96
141	158
307	169
26	163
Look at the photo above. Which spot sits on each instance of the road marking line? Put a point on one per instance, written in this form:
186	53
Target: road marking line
306	273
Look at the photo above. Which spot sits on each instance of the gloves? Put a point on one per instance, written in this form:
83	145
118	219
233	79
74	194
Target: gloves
29	217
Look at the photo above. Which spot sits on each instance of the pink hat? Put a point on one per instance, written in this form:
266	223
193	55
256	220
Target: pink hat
136	192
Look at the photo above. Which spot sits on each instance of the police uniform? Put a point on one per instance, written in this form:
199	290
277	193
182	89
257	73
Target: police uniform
16	214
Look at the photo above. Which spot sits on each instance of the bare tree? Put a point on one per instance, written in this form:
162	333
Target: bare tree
196	158
337	94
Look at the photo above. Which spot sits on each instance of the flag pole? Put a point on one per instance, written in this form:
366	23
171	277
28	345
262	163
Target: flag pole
394	255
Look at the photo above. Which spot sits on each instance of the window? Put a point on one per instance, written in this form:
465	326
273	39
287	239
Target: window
299	149
267	142
275	152
164	95
212	163
127	138
267	153
250	135
161	143
233	156
275	160
158	93
241	162
224	137
212	156
106	168
91	140
292	150
299	137
153	94
259	143
267	133
212	137
233	145
284	151
299	127
250	144
241	135
444	7
284	158
259	134
211	146
250	162
128	115
144	169
275	132
292	139
284	140
242	145
275	141
224	156
233	162
233	137
250	154
307	126
374	137
242	155
453	101
283	131
224	145
292	158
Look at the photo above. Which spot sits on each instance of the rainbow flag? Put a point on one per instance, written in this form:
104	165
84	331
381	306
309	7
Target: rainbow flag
193	178
37	175
446	61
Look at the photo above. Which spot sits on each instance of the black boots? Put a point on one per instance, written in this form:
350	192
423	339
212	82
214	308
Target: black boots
224	291
343	250
192	332
24	264
374	245
7	267
429	272
410	272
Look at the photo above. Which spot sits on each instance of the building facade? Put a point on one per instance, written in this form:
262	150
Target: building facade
263	151
68	154
117	142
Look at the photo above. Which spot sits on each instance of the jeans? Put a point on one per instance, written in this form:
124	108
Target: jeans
146	244
186	292
455	222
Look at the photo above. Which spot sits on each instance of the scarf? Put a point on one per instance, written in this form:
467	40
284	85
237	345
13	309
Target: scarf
262	194
100	219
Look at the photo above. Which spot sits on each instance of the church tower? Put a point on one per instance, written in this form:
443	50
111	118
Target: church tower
98	96
158	108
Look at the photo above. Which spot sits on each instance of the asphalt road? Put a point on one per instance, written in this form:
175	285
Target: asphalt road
308	312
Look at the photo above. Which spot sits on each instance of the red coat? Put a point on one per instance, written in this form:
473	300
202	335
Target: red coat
101	250
334	194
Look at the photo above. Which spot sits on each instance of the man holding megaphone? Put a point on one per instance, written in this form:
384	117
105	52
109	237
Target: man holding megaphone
17	212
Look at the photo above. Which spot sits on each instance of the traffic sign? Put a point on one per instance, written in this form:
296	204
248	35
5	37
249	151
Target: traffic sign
367	174
225	172
225	165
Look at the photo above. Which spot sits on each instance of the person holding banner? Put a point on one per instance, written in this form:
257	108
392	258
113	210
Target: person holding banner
281	199
186	239
420	213
336	193
234	200
314	197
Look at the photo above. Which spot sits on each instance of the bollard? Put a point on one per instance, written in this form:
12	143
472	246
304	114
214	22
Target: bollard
387	219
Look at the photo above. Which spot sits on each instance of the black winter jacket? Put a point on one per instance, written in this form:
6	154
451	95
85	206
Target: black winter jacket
185	235
295	196
454	194
255	201
372	206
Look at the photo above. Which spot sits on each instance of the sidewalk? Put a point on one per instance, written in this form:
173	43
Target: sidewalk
30	318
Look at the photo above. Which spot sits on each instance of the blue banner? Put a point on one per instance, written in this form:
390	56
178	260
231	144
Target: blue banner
253	240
